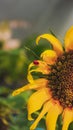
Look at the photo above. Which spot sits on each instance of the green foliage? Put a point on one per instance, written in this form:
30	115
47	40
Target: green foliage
14	63
71	126
13	111
32	50
13	66
59	123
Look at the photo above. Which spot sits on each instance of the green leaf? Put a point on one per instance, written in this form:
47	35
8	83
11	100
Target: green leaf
17	102
59	123
70	126
3	90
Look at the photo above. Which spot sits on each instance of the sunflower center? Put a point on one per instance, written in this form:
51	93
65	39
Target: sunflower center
61	80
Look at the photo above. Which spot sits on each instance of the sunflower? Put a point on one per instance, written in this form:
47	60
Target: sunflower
53	94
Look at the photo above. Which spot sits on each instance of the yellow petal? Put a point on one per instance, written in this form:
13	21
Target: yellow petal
36	101
5	121
57	46
45	109
38	83
30	77
52	116
69	39
41	67
49	56
67	118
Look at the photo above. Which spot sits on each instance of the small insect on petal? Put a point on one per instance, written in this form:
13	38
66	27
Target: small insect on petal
35	62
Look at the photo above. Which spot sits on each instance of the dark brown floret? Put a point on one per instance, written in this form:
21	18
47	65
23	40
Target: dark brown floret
61	79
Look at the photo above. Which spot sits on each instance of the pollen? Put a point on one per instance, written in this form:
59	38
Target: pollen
61	79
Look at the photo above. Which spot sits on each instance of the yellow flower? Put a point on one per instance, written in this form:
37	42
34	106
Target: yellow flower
54	92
